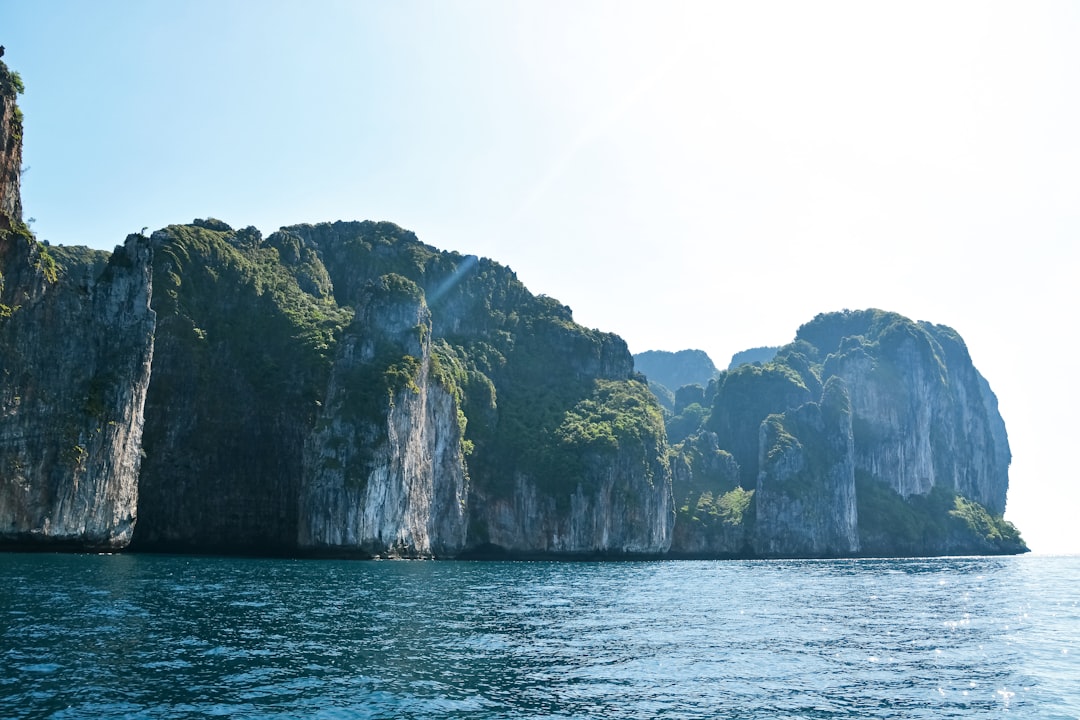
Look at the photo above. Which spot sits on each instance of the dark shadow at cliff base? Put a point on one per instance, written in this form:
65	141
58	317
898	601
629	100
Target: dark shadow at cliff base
54	546
486	553
495	552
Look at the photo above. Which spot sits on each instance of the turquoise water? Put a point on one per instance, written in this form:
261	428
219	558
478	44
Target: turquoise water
126	636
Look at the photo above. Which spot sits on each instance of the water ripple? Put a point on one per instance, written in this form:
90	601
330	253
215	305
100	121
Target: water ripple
177	637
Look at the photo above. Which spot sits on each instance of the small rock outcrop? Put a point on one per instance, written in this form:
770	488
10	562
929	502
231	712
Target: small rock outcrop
619	504
713	511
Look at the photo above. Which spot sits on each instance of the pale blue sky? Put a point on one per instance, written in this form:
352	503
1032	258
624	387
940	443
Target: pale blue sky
685	174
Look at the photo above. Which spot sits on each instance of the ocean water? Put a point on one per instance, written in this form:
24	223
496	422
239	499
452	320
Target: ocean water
143	636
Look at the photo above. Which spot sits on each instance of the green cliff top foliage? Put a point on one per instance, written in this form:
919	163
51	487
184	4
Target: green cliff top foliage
10	82
538	394
231	302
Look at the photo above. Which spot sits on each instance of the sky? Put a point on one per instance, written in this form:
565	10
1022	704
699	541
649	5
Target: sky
686	174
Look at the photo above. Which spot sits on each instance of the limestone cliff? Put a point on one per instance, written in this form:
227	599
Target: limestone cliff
923	415
869	434
746	396
343	388
528	379
241	363
76	340
617	501
77	336
11	128
714	517
806	485
384	467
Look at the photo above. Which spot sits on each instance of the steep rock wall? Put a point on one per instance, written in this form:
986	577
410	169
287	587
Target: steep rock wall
393	481
893	403
11	129
238	375
713	513
923	415
524	368
806	486
78	343
976	457
744	397
620	508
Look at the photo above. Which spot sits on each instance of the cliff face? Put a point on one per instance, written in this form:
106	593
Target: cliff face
343	388
620	506
924	417
11	129
240	369
77	333
806	487
527	380
392	481
713	511
872	434
747	396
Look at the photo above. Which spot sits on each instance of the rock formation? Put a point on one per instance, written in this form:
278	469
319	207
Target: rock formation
345	389
806	484
869	434
673	370
11	128
77	336
76	341
713	518
393	480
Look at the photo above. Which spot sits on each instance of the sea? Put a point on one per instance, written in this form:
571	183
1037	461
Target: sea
156	636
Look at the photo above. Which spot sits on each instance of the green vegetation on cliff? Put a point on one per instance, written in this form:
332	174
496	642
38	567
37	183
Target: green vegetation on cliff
744	398
317	330
242	358
892	525
10	81
538	392
929	449
252	328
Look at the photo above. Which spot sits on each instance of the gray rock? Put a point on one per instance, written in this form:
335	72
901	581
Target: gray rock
76	363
